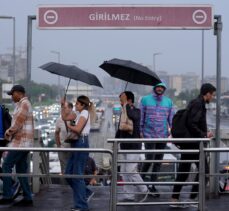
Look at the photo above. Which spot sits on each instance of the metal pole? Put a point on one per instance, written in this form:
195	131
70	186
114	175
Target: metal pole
201	178
14	45
58	80
113	200
29	50
202	63
218	32
58	75
14	49
154	60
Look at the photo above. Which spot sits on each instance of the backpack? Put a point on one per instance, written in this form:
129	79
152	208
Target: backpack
5	120
179	128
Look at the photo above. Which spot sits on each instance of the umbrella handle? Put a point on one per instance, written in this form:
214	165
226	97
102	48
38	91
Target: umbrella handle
126	86
67	89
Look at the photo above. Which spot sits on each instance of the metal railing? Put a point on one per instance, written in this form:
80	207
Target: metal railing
117	151
115	161
50	175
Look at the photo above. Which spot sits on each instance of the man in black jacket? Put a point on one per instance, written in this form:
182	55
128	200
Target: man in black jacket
134	114
197	127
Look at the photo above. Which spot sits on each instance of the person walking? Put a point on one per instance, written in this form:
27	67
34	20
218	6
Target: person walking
129	127
196	124
61	135
77	161
156	119
20	134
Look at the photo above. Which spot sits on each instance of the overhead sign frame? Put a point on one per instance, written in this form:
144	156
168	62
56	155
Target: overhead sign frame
125	17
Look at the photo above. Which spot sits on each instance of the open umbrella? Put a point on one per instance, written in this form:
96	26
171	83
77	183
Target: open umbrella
71	72
130	71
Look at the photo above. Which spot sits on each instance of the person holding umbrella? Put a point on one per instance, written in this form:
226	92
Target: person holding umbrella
156	119
77	161
129	128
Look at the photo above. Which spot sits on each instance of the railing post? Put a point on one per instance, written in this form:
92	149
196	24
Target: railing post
113	200
36	163
201	177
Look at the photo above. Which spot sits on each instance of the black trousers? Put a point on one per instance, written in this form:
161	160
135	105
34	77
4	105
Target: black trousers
182	177
153	156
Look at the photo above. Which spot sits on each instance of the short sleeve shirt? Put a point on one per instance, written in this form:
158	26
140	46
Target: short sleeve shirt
86	115
60	126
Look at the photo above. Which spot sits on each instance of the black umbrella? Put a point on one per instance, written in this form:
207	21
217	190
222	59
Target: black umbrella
130	71
71	72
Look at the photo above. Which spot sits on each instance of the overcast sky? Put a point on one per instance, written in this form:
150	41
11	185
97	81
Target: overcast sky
180	50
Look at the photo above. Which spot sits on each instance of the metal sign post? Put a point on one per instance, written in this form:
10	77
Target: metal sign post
129	17
218	33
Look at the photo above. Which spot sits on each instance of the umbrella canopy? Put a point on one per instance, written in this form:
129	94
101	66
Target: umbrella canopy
130	71
71	72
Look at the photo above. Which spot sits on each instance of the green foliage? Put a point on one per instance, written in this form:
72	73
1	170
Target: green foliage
42	93
188	95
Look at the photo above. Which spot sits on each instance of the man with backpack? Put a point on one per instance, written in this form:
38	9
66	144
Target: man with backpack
156	119
196	127
5	123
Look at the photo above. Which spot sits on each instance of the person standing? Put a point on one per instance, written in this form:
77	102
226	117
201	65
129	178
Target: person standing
156	119
130	129
61	135
196	124
90	169
77	161
20	134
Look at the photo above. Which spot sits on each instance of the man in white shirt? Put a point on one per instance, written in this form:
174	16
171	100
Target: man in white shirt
60	136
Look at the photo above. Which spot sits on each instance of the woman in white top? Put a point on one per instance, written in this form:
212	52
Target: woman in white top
77	160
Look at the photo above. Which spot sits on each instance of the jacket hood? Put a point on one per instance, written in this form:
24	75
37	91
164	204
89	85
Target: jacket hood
160	84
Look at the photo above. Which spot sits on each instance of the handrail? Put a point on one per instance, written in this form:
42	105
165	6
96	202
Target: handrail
47	149
158	140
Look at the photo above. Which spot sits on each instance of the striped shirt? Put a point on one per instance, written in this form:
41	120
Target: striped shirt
22	128
156	116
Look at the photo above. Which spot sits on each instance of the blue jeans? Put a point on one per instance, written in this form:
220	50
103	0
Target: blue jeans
18	159
76	165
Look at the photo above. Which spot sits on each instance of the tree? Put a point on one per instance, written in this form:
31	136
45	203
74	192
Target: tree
188	95
49	92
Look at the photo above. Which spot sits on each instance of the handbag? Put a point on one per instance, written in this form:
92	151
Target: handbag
73	136
126	124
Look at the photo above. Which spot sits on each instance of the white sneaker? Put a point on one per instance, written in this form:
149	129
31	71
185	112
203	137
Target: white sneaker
194	203
182	206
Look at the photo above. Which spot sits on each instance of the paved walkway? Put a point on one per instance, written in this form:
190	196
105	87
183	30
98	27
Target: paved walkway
59	198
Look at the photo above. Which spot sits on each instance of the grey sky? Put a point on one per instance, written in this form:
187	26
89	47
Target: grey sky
181	50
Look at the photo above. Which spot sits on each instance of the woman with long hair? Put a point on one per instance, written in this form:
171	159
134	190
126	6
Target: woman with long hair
77	160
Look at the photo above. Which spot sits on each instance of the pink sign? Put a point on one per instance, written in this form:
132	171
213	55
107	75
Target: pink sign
125	17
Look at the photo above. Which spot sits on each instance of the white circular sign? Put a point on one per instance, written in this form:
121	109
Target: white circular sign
50	17
199	16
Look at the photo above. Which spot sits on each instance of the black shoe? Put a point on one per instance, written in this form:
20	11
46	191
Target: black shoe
4	201
24	203
154	192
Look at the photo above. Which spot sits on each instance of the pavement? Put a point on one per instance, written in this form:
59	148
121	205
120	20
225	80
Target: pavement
59	198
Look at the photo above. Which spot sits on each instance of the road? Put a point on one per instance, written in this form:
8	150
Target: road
98	139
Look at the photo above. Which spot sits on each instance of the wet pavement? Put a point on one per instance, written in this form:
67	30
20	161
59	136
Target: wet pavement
59	198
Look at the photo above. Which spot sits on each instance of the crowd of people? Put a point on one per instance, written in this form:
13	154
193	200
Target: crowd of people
152	120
